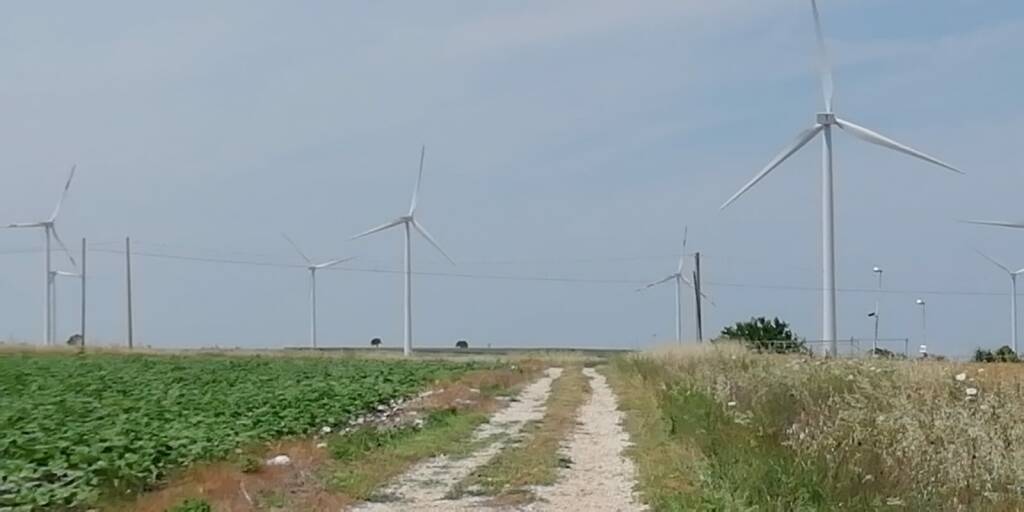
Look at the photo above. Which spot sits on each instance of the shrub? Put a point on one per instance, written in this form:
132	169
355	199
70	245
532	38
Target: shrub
765	335
1003	354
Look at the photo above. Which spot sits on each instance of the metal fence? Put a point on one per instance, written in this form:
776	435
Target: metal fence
847	348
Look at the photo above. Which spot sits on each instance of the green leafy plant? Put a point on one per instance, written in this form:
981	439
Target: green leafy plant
191	505
72	426
765	335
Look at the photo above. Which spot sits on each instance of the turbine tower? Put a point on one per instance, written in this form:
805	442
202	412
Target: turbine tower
1013	296
313	267
824	122
409	222
53	297
49	234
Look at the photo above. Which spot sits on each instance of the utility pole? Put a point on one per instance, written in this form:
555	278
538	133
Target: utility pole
82	328
878	298
128	280
697	292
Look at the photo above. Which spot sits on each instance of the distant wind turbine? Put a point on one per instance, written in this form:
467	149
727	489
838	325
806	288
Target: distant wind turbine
823	124
409	222
313	267
50	233
679	279
1013	295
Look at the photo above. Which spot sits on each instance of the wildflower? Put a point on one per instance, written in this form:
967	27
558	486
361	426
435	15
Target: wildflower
731	404
960	377
325	430
971	392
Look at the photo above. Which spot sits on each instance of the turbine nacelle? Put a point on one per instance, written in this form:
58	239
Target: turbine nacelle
826	118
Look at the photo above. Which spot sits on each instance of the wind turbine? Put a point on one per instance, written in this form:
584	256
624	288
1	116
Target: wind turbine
313	267
679	279
50	233
1013	296
824	121
409	222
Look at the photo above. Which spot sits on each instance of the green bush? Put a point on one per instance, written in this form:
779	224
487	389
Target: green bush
1003	354
765	335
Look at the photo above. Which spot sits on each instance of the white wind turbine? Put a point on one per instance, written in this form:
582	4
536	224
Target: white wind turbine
679	279
1013	296
409	222
313	267
824	122
49	234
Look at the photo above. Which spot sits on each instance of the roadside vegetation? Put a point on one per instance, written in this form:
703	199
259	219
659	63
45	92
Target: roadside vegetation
725	428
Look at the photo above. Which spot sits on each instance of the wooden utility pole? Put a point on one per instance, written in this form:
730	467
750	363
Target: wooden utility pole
82	330
128	280
696	290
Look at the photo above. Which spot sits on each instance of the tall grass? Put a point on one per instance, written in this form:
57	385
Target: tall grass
789	433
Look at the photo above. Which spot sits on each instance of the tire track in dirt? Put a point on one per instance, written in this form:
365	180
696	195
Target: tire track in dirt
600	478
424	487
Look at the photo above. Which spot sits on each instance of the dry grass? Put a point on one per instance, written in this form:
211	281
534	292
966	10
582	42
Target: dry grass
818	435
535	460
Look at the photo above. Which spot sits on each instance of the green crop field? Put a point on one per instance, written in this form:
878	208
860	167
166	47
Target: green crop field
73	427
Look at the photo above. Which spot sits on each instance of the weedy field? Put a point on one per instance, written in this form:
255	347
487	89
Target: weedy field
726	429
76	428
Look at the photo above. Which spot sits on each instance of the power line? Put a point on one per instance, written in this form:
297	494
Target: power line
550	279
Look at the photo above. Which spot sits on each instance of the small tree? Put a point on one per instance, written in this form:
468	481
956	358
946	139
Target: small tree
462	344
765	335
375	342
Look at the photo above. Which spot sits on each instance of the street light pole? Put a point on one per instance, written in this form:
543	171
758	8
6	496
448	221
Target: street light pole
878	298
924	321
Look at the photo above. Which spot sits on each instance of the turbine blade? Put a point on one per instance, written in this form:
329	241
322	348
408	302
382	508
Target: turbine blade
824	64
382	227
63	194
296	247
1002	223
801	140
686	233
17	225
656	283
60	242
419	227
881	140
419	179
702	294
332	263
1018	271
993	261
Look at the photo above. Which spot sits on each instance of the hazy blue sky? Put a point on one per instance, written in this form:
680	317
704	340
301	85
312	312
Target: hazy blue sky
570	139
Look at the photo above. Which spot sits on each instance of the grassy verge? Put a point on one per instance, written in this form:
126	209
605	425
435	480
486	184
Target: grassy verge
723	429
369	458
535	460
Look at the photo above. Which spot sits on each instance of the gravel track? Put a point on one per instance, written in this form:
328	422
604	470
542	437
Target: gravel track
599	479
